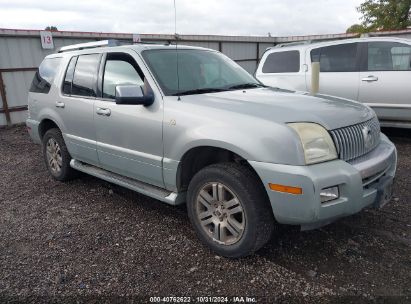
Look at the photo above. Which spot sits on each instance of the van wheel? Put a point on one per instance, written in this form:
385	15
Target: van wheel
229	209
56	156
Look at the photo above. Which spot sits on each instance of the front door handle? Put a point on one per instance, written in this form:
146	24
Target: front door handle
103	111
370	78
60	104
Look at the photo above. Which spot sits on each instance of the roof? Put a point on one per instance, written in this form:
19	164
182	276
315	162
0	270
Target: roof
139	47
308	44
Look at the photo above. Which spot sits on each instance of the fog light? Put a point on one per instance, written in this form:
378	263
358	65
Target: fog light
329	194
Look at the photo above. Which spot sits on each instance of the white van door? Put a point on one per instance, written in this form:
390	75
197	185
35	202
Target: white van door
282	69
339	69
385	79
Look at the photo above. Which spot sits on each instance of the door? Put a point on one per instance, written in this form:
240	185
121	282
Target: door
129	137
76	107
339	69
385	79
282	69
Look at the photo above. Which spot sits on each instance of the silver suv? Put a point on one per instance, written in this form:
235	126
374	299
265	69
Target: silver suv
374	71
188	125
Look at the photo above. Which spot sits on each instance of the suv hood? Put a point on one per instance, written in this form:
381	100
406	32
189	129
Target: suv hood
285	106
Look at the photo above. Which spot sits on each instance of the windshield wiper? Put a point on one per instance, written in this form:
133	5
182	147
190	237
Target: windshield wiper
247	86
199	91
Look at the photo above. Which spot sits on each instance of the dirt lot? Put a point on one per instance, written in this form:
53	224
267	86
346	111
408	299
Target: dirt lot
88	240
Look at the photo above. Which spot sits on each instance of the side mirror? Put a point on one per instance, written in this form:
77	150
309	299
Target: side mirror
133	95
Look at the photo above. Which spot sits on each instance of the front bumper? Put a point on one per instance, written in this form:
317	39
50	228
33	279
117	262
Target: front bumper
360	184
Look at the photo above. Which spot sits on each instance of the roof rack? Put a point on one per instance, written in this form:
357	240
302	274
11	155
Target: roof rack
294	43
89	45
302	42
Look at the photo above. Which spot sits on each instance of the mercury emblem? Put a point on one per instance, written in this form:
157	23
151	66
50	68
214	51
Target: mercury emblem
366	133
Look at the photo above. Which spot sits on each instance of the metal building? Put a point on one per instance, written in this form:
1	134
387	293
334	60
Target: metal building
21	52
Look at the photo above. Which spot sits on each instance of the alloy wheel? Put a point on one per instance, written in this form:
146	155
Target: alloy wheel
220	213
53	154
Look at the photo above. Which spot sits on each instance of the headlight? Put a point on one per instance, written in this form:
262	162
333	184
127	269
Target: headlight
317	143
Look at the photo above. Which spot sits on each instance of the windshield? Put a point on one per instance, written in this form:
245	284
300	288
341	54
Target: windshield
199	71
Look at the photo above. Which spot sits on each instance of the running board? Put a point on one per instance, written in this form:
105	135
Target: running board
163	195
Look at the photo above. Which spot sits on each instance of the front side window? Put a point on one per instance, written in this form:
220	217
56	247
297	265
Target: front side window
336	58
389	56
120	69
198	71
85	76
45	75
282	62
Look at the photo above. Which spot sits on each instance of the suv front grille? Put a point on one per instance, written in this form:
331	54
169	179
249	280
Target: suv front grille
354	141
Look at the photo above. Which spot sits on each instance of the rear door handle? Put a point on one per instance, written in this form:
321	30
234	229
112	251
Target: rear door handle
370	78
60	104
103	111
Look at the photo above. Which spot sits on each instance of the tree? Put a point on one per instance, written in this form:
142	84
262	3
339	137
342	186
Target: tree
51	28
385	14
357	28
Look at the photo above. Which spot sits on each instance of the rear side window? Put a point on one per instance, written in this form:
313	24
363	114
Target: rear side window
85	76
282	62
389	56
45	75
68	79
336	58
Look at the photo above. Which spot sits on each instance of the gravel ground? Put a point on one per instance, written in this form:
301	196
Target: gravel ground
90	241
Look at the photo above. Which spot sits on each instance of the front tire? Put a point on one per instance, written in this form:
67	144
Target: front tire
56	156
229	209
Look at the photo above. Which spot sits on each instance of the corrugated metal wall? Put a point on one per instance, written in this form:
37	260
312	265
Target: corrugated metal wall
21	53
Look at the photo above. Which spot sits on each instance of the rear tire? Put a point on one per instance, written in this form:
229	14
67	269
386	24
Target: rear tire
56	156
229	209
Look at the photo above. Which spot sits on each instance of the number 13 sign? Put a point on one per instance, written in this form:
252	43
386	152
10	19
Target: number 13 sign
46	40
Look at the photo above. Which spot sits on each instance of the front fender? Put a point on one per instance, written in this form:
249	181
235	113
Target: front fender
251	138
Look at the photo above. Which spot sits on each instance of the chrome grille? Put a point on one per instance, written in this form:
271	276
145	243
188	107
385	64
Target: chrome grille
354	141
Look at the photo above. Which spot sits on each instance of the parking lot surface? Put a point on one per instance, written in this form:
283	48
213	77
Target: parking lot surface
89	239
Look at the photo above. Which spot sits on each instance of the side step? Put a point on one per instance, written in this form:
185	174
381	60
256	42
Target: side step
163	195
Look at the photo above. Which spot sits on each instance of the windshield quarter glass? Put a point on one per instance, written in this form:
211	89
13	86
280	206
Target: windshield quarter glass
197	70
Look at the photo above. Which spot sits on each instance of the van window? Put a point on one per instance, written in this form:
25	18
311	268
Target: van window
85	76
120	69
68	79
389	56
45	75
336	58
282	62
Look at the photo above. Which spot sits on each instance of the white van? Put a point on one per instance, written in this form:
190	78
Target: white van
375	71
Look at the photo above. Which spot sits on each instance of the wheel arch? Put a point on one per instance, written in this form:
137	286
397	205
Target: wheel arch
45	125
199	157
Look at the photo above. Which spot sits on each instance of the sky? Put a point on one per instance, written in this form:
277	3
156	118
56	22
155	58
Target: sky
213	17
